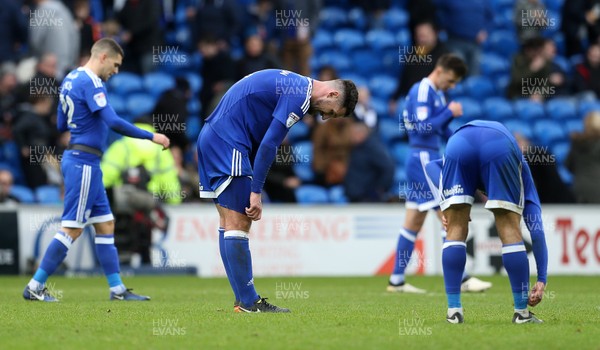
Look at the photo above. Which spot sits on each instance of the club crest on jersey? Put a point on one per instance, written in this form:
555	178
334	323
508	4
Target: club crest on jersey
100	99
422	113
291	120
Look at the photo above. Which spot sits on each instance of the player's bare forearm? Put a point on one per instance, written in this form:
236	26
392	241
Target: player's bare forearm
254	212
162	140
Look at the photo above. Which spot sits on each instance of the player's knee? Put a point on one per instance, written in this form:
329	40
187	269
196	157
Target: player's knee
74	233
105	228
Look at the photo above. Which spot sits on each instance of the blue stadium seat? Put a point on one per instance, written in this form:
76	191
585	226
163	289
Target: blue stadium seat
299	132
366	62
312	194
519	126
389	58
403	38
400	152
554	5
140	104
349	39
492	64
23	193
194	106
382	86
502	4
574	125
471	108
304	150
502	42
337	195
304	171
335	58
358	79
564	64
565	175
125	83
587	106
118	103
548	132
358	19
195	81
498	109
528	110
399	176
395	19
456	123
561	108
48	194
561	151
478	87
504	18
502	82
390	130
561	46
380	106
332	18
158	82
380	39
192	127
323	40
457	92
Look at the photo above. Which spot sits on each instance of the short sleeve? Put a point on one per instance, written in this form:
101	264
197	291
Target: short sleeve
294	100
95	96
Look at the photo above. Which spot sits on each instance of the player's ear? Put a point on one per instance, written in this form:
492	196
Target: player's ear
333	93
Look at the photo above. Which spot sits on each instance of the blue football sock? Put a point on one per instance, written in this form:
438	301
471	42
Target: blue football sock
54	256
406	244
223	252
240	263
514	258
465	275
454	256
109	259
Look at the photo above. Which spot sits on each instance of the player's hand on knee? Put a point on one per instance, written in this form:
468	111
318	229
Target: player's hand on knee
254	212
161	140
455	108
537	293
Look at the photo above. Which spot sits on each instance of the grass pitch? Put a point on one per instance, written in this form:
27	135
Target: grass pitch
327	313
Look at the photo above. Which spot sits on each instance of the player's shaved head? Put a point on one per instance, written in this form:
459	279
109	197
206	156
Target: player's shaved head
108	46
348	94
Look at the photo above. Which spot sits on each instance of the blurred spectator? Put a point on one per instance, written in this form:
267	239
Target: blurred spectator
34	138
6	183
370	170
218	73
8	98
584	160
52	29
327	73
281	181
262	16
587	74
550	186
255	57
142	34
170	114
530	17
578	16
363	110
373	8
89	29
44	80
219	19
331	150
420	11
13	26
296	22
558	77
426	39
530	72
466	22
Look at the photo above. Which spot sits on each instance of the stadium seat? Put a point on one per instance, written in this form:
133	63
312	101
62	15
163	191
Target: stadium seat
23	193
587	106
403	38
335	58
389	58
195	81
382	86
400	152
471	108
390	130
332	18
528	110
140	104
561	151
564	64
349	39
498	109
194	106
519	126
125	83
358	19
502	42
395	19
118	103
380	39
192	127
574	125
456	123
548	132
565	175
312	194
561	108
478	87
304	170
366	62
158	82
492	64
323	40
48	194
337	195
456	92
502	81
299	132
380	106
502	4
554	5
358	79
504	18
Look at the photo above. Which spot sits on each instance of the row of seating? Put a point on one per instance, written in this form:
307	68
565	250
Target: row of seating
48	194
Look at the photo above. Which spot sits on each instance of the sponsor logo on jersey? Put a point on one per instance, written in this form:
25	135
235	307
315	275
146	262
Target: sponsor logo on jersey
100	99
292	119
454	190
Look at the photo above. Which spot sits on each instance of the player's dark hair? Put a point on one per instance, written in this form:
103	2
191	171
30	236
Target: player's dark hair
350	95
108	45
453	63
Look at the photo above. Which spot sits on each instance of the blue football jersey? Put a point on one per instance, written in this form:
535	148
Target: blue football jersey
426	116
245	112
82	94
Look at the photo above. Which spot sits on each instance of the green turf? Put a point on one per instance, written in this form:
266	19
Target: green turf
328	313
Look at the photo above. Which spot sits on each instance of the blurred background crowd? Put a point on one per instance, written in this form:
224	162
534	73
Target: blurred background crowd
533	65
